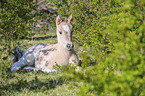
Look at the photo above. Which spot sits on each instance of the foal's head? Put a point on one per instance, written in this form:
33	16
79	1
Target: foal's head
64	32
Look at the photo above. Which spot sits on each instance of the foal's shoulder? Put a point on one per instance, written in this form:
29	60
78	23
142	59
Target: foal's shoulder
49	47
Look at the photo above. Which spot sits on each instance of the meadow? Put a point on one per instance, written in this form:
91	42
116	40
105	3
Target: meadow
34	83
108	37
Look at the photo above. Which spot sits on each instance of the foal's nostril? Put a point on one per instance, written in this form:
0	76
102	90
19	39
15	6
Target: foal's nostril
70	46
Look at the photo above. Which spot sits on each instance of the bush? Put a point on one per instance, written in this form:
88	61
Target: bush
16	21
112	34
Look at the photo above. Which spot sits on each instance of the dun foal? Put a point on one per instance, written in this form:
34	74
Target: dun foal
45	56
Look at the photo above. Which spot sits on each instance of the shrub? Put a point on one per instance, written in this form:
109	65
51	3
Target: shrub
16	21
112	34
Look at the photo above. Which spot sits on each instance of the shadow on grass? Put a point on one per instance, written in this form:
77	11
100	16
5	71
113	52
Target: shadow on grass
33	85
41	38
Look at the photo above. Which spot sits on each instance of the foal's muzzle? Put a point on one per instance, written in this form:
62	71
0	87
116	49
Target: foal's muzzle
69	46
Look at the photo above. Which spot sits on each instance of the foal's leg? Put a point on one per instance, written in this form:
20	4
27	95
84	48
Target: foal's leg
28	57
30	68
36	69
74	61
25	60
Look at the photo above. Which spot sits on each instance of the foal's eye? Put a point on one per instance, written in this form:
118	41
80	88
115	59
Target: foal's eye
60	32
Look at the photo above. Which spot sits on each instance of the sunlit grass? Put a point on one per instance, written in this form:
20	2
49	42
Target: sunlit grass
32	83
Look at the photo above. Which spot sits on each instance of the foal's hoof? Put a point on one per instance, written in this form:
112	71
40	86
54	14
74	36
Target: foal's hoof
15	68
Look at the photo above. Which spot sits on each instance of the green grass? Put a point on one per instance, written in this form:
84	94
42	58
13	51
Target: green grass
23	83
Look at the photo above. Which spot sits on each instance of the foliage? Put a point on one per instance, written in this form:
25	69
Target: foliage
112	34
16	21
46	14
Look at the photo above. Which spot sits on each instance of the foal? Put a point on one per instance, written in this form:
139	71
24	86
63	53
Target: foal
45	56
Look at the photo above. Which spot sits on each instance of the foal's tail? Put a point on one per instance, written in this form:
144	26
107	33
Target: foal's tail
17	54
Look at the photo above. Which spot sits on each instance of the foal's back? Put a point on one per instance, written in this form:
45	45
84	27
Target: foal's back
45	56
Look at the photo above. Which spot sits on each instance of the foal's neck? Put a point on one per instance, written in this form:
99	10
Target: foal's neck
62	49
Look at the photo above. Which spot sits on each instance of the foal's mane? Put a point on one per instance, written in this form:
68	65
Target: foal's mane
64	19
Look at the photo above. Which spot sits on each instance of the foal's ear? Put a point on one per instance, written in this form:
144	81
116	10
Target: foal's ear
70	19
58	20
